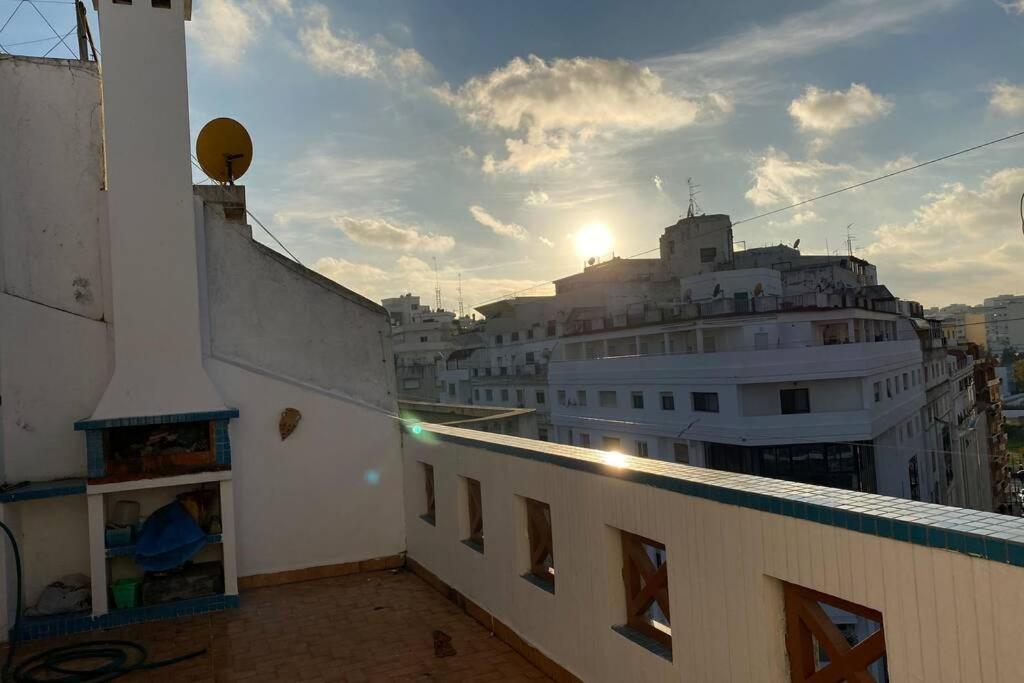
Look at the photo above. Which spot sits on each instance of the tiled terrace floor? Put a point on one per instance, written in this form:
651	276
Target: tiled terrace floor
364	627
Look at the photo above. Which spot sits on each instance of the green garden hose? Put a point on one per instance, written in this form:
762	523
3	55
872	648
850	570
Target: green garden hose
93	661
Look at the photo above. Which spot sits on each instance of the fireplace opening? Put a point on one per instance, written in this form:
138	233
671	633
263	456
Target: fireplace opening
159	450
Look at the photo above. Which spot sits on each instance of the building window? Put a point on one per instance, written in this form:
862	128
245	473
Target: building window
476	394
607	399
529	333
504	394
795	401
451	388
489	394
915	483
515	336
611	443
681	452
906	381
585	440
707	254
888	387
551	328
668	400
878	391
705	402
538	532
497	339
645	575
542	433
530	356
581	397
541	398
474	521
638	400
641	449
423	339
561	397
162	4
428	489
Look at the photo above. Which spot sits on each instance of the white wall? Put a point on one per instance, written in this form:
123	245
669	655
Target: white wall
51	178
948	616
268	312
310	500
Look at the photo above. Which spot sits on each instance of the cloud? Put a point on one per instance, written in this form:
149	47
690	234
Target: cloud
1007	98
1012	6
779	179
377	232
410	274
546	242
828	112
962	243
536	198
341	52
481	216
225	29
657	182
466	152
554	106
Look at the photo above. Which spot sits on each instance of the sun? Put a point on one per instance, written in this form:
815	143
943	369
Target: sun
593	239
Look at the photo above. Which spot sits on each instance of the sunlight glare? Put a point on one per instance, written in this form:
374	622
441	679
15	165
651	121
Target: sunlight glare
593	239
614	459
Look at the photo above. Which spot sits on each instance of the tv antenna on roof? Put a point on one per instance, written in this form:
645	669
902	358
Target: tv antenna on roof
849	240
437	288
461	312
694	208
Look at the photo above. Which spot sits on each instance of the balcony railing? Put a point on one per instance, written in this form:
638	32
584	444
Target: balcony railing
767	580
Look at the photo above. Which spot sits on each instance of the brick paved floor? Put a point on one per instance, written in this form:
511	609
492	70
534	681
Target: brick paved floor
365	627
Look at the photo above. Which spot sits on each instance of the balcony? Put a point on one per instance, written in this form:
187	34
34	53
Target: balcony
642	570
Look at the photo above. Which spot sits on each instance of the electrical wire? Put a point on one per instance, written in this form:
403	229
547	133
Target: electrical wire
847	188
47	21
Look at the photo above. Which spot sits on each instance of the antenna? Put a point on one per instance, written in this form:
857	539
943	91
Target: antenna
437	288
461	312
849	240
694	208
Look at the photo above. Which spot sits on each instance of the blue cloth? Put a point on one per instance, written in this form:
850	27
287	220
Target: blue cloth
168	539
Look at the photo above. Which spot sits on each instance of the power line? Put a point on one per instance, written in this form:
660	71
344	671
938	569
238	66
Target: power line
47	21
936	160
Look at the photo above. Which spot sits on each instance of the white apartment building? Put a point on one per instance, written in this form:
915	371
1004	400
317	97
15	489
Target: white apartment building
764	361
421	338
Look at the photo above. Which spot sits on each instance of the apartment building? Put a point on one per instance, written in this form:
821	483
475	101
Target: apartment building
763	361
1004	326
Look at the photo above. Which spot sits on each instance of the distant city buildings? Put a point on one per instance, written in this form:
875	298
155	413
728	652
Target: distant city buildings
765	361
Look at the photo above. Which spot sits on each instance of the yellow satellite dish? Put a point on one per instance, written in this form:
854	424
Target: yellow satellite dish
224	149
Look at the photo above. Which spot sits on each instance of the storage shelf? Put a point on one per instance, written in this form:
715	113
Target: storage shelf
38	490
124	550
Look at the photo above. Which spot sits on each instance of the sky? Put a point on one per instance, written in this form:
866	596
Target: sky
510	141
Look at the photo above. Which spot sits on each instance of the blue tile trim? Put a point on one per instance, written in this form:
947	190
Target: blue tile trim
545	586
36	628
223	438
39	490
97	464
991	536
660	649
138	421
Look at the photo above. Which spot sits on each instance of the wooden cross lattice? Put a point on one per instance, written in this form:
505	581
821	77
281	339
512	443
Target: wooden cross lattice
542	555
646	585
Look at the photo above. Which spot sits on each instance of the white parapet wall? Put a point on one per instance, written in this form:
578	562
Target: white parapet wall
947	582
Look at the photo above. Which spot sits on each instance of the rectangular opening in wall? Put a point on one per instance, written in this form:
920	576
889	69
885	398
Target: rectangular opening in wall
645	579
471	517
831	639
162	4
540	559
429	514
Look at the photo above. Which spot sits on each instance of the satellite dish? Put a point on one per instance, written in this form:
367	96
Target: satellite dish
591	260
758	289
797	243
224	150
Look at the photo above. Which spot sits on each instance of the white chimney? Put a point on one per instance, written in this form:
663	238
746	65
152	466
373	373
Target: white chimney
158	364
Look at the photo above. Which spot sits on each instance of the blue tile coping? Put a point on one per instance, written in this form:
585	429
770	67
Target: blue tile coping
38	490
35	628
658	648
127	550
991	536
139	421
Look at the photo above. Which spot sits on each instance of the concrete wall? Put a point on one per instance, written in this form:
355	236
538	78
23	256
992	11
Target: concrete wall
330	493
52	208
266	311
948	616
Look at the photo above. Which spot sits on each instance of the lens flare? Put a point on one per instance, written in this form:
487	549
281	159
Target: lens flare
593	239
614	459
